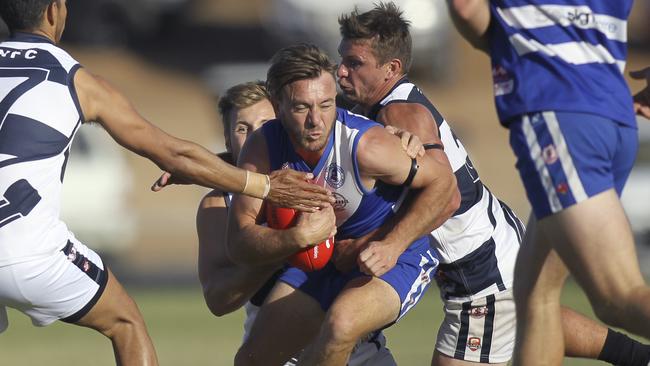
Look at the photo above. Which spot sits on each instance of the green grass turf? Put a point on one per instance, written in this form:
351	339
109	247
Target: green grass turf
185	333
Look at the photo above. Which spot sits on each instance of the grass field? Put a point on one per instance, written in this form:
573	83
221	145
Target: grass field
185	333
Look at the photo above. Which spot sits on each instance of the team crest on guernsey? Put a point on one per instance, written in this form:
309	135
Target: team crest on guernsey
503	81
474	343
335	176
340	201
478	312
72	255
549	153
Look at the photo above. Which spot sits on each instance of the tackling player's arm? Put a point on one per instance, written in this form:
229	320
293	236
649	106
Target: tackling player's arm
472	19
380	156
226	285
102	103
411	220
249	242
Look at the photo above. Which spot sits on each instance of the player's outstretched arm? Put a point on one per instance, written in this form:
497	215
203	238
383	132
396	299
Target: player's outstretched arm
381	156
642	98
102	103
252	244
471	18
226	285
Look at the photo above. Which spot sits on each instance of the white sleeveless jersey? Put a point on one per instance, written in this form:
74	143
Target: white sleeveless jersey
478	245
39	114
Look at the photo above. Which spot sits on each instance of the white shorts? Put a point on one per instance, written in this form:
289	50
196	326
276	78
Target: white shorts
370	351
482	330
63	286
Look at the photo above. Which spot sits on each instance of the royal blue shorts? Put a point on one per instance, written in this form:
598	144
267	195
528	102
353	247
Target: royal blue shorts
410	277
564	158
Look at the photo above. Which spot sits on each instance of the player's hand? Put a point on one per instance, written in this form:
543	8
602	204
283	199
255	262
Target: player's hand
316	227
166	179
410	143
642	98
290	188
378	257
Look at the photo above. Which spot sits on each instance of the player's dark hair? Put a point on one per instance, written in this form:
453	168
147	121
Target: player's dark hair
297	62
241	96
386	29
23	14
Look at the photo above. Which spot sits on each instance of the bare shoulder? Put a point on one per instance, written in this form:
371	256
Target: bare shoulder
396	112
412	117
373	144
92	91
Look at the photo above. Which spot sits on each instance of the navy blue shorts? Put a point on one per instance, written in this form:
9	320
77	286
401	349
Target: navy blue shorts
410	277
564	158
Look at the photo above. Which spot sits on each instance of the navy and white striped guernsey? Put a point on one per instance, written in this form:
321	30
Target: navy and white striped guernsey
561	55
39	116
478	245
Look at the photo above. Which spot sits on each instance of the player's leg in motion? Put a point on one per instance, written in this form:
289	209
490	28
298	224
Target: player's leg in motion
117	317
595	241
540	275
366	304
285	324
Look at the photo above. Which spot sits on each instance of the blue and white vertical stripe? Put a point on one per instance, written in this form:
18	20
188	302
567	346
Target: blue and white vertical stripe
560	55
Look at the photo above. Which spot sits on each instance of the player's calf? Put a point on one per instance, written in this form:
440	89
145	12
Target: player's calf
116	316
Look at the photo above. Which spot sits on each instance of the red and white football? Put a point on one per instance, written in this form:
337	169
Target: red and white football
309	259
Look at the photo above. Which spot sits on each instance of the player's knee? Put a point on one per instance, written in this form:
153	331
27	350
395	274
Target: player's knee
341	329
125	325
612	309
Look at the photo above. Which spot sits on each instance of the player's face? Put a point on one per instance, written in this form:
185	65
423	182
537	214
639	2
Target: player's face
307	109
246	120
360	74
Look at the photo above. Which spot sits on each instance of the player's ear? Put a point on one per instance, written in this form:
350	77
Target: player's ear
394	68
51	12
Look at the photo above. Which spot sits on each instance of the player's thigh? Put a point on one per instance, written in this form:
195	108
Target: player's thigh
538	269
366	304
287	321
62	286
594	239
481	330
114	307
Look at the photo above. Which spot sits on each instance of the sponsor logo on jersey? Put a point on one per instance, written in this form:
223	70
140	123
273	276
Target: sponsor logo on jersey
474	343
478	312
340	202
549	154
335	176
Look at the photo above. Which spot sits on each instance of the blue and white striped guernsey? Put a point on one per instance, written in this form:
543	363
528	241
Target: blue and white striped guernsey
562	55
